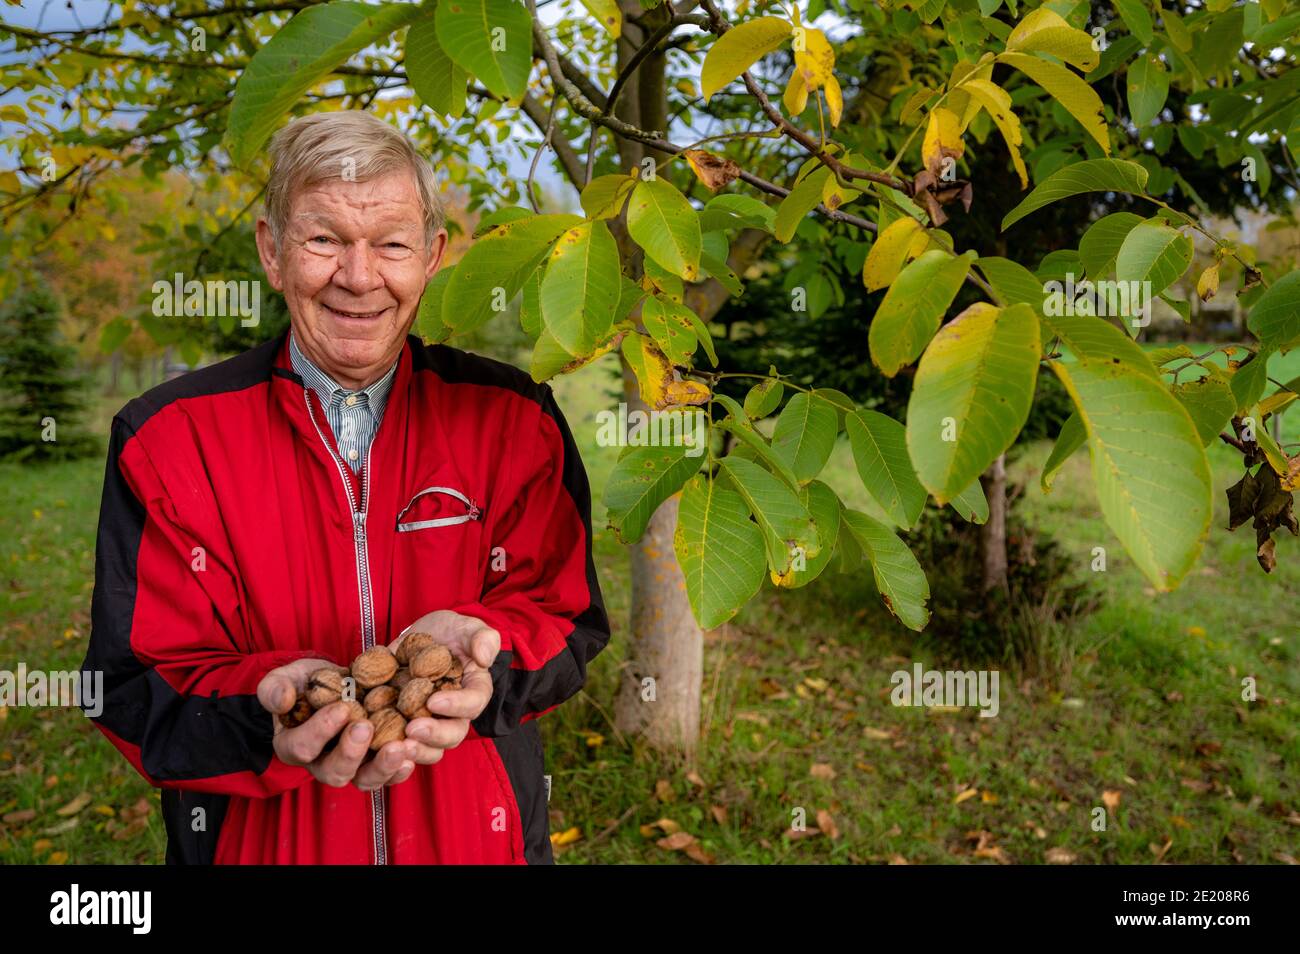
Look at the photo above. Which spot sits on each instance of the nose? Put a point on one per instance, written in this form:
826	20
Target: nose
358	269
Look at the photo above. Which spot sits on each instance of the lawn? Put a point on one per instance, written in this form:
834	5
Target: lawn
1150	730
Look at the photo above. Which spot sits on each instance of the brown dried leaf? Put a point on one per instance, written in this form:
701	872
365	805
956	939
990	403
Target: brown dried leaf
1110	798
712	170
822	770
826	824
676	841
1060	856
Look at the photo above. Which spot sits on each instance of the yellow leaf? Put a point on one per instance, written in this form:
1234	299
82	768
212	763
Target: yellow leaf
57	858
1044	31
650	365
13	113
814	58
677	393
1078	98
41	846
942	141
1208	283
1111	798
988	798
889	252
968	793
997	102
795	96
608	13
740	48
567	837
74	806
834	99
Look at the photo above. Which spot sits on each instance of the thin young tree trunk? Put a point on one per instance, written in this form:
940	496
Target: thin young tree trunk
993	535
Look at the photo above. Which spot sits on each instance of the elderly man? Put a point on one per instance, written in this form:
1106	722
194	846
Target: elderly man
325	493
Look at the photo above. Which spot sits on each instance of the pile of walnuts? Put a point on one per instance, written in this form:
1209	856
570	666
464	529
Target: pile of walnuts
388	688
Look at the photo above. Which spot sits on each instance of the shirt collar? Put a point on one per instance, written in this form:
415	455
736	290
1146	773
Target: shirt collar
330	391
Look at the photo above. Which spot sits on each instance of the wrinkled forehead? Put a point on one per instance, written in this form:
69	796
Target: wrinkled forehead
384	204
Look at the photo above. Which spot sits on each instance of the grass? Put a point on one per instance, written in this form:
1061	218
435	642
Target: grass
797	716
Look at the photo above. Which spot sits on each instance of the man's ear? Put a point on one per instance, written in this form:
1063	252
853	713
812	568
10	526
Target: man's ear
266	252
437	250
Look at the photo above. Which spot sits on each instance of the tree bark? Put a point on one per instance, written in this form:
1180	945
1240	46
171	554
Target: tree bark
993	535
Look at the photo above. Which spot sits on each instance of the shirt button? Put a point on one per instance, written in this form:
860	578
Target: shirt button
351	400
352	454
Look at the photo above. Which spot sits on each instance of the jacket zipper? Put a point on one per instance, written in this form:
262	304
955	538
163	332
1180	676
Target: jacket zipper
365	597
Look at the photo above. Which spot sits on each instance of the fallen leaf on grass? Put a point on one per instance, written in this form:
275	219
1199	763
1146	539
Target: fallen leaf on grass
1161	850
57	858
74	806
676	841
988	798
664	790
561	838
968	793
1060	856
719	814
822	770
771	689
1195	785
879	735
1110	798
826	824
1286	859
19	817
61	827
694	778
41	846
898	860
697	853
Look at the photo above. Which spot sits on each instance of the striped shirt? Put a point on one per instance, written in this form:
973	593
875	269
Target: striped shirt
354	416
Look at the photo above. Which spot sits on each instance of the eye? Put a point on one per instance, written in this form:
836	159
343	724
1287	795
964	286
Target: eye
321	238
395	245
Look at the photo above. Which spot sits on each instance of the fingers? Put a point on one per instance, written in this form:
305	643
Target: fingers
340	766
280	687
467	702
437	733
391	765
484	646
303	745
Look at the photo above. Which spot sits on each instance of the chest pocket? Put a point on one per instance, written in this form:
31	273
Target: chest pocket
439	546
436	507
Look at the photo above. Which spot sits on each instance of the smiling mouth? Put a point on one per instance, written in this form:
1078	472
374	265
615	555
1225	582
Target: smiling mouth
347	313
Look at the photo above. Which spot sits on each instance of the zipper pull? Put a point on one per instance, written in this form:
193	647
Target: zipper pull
359	526
473	510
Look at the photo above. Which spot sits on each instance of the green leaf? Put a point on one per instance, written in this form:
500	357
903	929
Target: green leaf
763	398
307	48
432	74
703	336
1090	175
501	216
1148	88
740	48
1153	252
805	435
492	40
1148	463
735	211
719	549
493	271
803	198
782	517
1078	98
1275	318
1250	379
670	325
114	333
1045	31
1101	243
971	395
428	318
644	478
749	437
824	507
1069	440
662	222
913	307
581	287
1137	18
1012	282
605	196
608	14
971	504
1210	403
899	578
879	445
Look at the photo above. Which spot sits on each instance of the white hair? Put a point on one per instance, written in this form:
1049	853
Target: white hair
322	146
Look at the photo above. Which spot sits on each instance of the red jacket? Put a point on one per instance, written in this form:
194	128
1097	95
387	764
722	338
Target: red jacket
232	539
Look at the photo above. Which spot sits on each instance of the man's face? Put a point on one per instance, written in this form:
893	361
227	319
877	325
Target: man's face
352	265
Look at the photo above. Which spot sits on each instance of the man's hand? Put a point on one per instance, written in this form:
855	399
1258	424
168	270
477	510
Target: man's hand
476	645
305	744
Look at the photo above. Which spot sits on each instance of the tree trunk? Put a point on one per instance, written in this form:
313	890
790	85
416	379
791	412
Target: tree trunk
993	535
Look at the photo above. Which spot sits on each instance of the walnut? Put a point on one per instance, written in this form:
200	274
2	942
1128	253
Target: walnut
411	646
356	712
374	667
389	727
381	697
432	663
457	669
324	686
399	681
411	702
300	713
